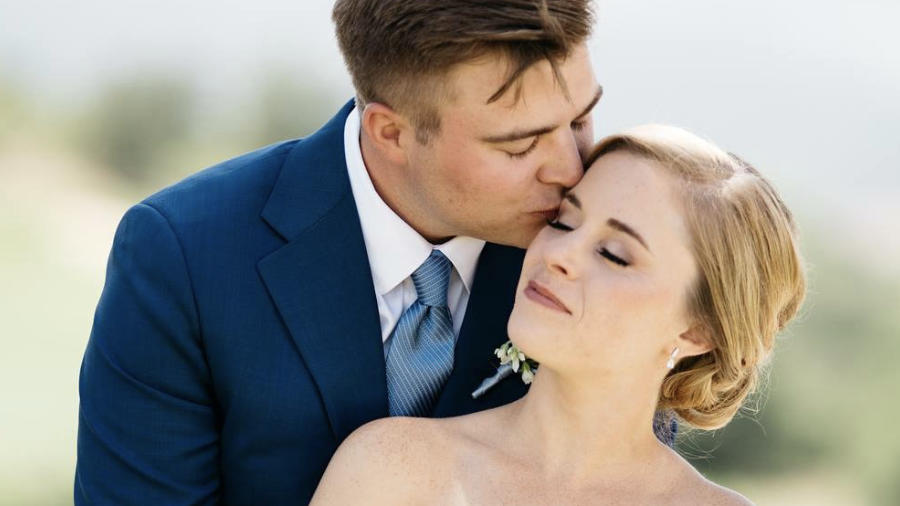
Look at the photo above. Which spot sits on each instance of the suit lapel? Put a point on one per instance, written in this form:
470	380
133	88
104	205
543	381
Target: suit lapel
484	330
321	283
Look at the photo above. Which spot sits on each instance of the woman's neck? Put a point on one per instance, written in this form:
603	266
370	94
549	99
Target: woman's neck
579	429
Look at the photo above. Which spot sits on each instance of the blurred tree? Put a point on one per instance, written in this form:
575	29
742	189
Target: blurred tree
12	110
134	121
290	106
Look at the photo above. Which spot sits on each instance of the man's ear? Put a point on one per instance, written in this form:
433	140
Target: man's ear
694	341
387	130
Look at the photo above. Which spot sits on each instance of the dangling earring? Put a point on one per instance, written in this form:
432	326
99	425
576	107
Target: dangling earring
671	363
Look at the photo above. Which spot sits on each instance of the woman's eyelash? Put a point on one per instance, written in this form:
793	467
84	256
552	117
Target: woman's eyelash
605	253
579	125
523	154
613	258
558	225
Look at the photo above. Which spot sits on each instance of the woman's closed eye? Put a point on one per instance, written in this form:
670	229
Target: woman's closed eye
558	225
604	252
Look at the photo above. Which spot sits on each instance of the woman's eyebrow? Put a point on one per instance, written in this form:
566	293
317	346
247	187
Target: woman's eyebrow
622	227
612	222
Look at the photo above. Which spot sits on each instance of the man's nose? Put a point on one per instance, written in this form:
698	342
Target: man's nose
564	167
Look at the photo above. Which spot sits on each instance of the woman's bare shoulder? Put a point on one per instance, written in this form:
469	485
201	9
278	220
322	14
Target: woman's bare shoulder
718	495
700	490
381	462
389	437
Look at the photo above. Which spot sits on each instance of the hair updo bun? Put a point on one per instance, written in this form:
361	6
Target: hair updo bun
751	279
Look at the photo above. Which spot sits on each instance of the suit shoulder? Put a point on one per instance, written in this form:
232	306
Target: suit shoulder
246	179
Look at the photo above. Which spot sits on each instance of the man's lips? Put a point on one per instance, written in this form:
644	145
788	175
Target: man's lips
548	214
542	295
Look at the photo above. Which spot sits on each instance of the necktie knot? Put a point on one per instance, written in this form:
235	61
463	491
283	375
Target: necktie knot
432	279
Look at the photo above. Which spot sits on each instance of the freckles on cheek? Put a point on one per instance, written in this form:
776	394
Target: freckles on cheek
479	176
455	168
631	298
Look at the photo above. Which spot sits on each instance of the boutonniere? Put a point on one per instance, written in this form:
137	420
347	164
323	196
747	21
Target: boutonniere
512	361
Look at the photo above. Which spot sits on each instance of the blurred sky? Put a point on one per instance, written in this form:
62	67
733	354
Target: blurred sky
809	91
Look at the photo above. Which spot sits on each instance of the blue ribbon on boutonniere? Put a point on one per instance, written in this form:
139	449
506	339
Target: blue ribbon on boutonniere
512	360
502	372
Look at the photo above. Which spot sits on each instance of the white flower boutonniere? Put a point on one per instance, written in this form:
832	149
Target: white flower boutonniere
512	361
509	354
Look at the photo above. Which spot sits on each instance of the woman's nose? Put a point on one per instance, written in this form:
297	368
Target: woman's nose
561	255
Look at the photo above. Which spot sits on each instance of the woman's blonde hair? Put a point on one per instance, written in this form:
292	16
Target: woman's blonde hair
751	279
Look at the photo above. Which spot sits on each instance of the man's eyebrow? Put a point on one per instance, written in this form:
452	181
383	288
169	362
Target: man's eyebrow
516	135
593	102
612	222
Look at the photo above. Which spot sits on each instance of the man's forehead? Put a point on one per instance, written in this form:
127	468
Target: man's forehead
475	83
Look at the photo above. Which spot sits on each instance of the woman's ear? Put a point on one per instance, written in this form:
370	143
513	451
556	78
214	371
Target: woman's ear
694	341
387	131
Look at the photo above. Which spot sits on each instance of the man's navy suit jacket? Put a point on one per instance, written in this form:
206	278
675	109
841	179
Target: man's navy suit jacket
237	340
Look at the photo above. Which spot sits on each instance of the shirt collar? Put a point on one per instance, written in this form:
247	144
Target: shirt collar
395	249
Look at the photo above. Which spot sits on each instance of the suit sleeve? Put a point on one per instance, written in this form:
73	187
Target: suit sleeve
147	427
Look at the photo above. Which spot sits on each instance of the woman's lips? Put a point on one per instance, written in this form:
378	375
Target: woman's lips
544	297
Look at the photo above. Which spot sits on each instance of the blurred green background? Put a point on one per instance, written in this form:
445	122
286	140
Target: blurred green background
102	103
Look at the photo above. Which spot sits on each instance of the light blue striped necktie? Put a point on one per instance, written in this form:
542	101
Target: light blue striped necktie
420	357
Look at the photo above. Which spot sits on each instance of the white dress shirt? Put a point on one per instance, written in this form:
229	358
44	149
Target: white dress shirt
396	250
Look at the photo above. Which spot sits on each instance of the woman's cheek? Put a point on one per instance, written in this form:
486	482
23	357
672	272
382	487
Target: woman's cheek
614	300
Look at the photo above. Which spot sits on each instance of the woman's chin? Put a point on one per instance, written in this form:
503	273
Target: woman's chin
531	338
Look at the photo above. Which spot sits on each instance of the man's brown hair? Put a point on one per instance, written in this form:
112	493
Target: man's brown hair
399	51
